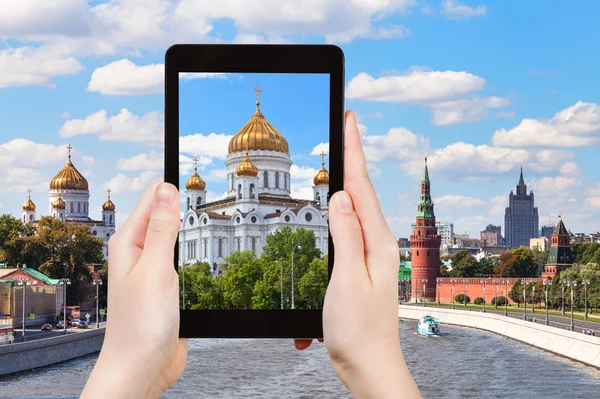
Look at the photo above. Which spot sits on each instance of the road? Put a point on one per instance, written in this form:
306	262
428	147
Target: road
33	333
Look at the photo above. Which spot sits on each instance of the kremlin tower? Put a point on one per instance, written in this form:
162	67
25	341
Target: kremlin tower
425	246
560	257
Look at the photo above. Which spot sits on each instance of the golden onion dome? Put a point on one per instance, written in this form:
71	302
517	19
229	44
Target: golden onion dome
59	203
29	205
322	177
69	177
258	134
195	182
108	205
247	167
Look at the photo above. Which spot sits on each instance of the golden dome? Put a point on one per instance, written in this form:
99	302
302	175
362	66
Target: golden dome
258	134
108	205
195	182
59	203
29	205
69	177
247	167
322	177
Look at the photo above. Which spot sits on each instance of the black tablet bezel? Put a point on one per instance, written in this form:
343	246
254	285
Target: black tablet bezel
258	59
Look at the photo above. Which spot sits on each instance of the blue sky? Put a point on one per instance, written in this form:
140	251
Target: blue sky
481	88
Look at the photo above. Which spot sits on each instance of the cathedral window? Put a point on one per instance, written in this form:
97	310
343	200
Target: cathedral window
71	207
417	253
427	253
253	244
31	218
318	198
111	219
252	195
198	202
239	243
191	220
266	179
276	179
253	219
308	216
95	232
79	207
287	218
220	247
188	203
237	219
239	191
205	245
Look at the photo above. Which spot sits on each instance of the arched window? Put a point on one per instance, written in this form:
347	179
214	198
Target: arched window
239	243
111	219
31	218
79	207
205	243
276	179
198	202
220	247
188	203
252	191
266	179
239	191
253	244
71	207
318	198
417	253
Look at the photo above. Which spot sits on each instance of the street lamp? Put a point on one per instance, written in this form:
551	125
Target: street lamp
495	281
299	248
24	282
585	285
523	283
562	283
505	282
64	282
572	284
465	281
452	280
546	284
438	281
424	290
483	282
98	283
533	297
281	279
416	290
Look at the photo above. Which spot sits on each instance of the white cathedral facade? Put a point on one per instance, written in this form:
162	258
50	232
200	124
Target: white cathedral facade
258	200
68	201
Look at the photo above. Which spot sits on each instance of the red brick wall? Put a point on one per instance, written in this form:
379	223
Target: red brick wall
18	274
474	288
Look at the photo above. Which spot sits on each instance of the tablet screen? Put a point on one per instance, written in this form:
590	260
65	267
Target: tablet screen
254	185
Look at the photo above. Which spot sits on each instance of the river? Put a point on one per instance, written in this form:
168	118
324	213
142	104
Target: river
464	363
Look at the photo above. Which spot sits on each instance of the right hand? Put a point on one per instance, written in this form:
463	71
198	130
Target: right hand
360	314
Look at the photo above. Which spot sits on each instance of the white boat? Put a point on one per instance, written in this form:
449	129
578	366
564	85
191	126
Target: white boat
428	326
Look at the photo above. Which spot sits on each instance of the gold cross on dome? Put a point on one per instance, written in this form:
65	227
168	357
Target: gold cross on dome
108	191
322	158
29	192
69	148
257	90
195	159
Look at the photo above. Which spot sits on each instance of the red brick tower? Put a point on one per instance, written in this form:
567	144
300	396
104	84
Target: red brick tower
560	257
425	245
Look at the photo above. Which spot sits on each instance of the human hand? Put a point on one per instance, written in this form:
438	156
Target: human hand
360	314
142	354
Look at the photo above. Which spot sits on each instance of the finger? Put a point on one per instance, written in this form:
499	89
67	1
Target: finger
320	340
125	246
347	237
163	227
376	233
302	344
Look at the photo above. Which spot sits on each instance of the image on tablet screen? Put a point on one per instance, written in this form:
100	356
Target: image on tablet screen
254	184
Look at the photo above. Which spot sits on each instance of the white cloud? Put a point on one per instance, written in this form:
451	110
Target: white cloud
593	203
302	172
414	87
254	38
122	127
505	114
548	160
454	10
26	153
212	145
393	32
29	66
465	110
125	184
373	170
569	168
151	161
575	126
319	148
21	179
398	143
457	201
215	175
561	186
123	77
499	203
186	164
90	161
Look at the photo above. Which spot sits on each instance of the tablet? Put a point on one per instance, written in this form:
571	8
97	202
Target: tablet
254	143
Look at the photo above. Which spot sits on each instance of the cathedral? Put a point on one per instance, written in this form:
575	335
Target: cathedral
258	199
68	201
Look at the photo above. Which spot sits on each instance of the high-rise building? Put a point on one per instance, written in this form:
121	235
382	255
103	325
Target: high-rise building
425	246
521	220
547	231
491	236
560	257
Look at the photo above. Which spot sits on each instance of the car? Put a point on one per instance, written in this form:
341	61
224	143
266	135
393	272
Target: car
47	327
82	324
60	324
75	322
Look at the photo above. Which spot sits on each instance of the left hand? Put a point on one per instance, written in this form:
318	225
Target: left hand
142	354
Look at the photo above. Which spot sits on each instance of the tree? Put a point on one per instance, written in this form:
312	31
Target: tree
500	300
241	273
517	262
202	290
12	241
444	272
460	298
267	291
313	284
540	258
516	293
462	264
485	266
479	301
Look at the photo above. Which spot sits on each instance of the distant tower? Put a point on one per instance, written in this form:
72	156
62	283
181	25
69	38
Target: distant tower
321	187
247	184
108	211
59	207
560	257
425	245
195	189
28	209
521	220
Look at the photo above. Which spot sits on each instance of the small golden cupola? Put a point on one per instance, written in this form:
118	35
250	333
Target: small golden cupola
29	206
59	203
322	177
195	182
247	167
69	177
108	205
258	134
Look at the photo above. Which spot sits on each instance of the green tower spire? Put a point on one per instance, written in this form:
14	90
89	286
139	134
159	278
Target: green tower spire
425	208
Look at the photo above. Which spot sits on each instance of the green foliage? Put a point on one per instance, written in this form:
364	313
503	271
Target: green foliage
479	301
517	262
465	265
588	252
500	300
13	235
313	284
460	298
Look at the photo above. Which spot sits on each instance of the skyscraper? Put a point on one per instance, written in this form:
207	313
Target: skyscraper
425	246
521	220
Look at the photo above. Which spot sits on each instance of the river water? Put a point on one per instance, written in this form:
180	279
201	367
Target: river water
463	363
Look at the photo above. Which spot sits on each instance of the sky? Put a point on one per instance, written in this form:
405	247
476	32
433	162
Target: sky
479	87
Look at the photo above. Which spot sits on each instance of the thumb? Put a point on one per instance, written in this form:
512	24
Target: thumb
347	237
163	226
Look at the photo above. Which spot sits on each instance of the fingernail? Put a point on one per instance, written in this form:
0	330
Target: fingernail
165	195
344	203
